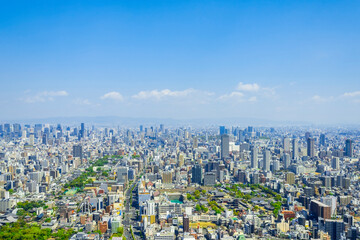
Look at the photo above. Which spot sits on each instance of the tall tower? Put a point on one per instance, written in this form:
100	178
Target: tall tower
196	174
222	130
295	147
254	157
266	160
77	151
311	147
286	144
349	148
224	146
82	130
286	159
322	139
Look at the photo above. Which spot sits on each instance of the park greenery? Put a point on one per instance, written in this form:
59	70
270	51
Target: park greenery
200	207
22	230
26	207
120	232
82	180
216	207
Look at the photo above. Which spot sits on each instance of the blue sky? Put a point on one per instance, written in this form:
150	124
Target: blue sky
277	60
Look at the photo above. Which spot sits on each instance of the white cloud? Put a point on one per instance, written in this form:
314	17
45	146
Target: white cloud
351	94
45	96
113	96
234	96
319	99
248	87
156	94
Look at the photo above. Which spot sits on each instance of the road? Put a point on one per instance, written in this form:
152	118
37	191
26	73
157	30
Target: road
131	219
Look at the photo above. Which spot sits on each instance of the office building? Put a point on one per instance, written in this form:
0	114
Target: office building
319	209
295	149
224	146
290	178
254	157
286	144
77	151
209	179
311	147
322	139
196	174
349	148
335	163
266	160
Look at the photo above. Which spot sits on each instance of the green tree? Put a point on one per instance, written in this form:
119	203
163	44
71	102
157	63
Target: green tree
198	208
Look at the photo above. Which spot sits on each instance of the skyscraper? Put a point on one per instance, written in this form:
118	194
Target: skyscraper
322	139
310	147
82	130
224	146
77	151
44	139
266	160
295	150
335	163
196	174
349	148
222	130
286	144
254	157
186	223
286	160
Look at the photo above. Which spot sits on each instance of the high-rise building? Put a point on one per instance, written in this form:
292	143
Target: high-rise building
319	209
334	228
195	143
254	157
242	178
162	128
197	174
266	160
77	151
322	139
186	223
286	144
225	146
286	160
167	177
335	163
44	139
31	139
295	148
209	179
330	201
222	130
311	147
122	175
290	178
255	178
82	130
17	129
348	148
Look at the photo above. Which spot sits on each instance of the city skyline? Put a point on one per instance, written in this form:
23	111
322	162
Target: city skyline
181	60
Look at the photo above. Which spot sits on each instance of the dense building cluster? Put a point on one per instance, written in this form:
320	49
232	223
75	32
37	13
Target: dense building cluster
162	183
